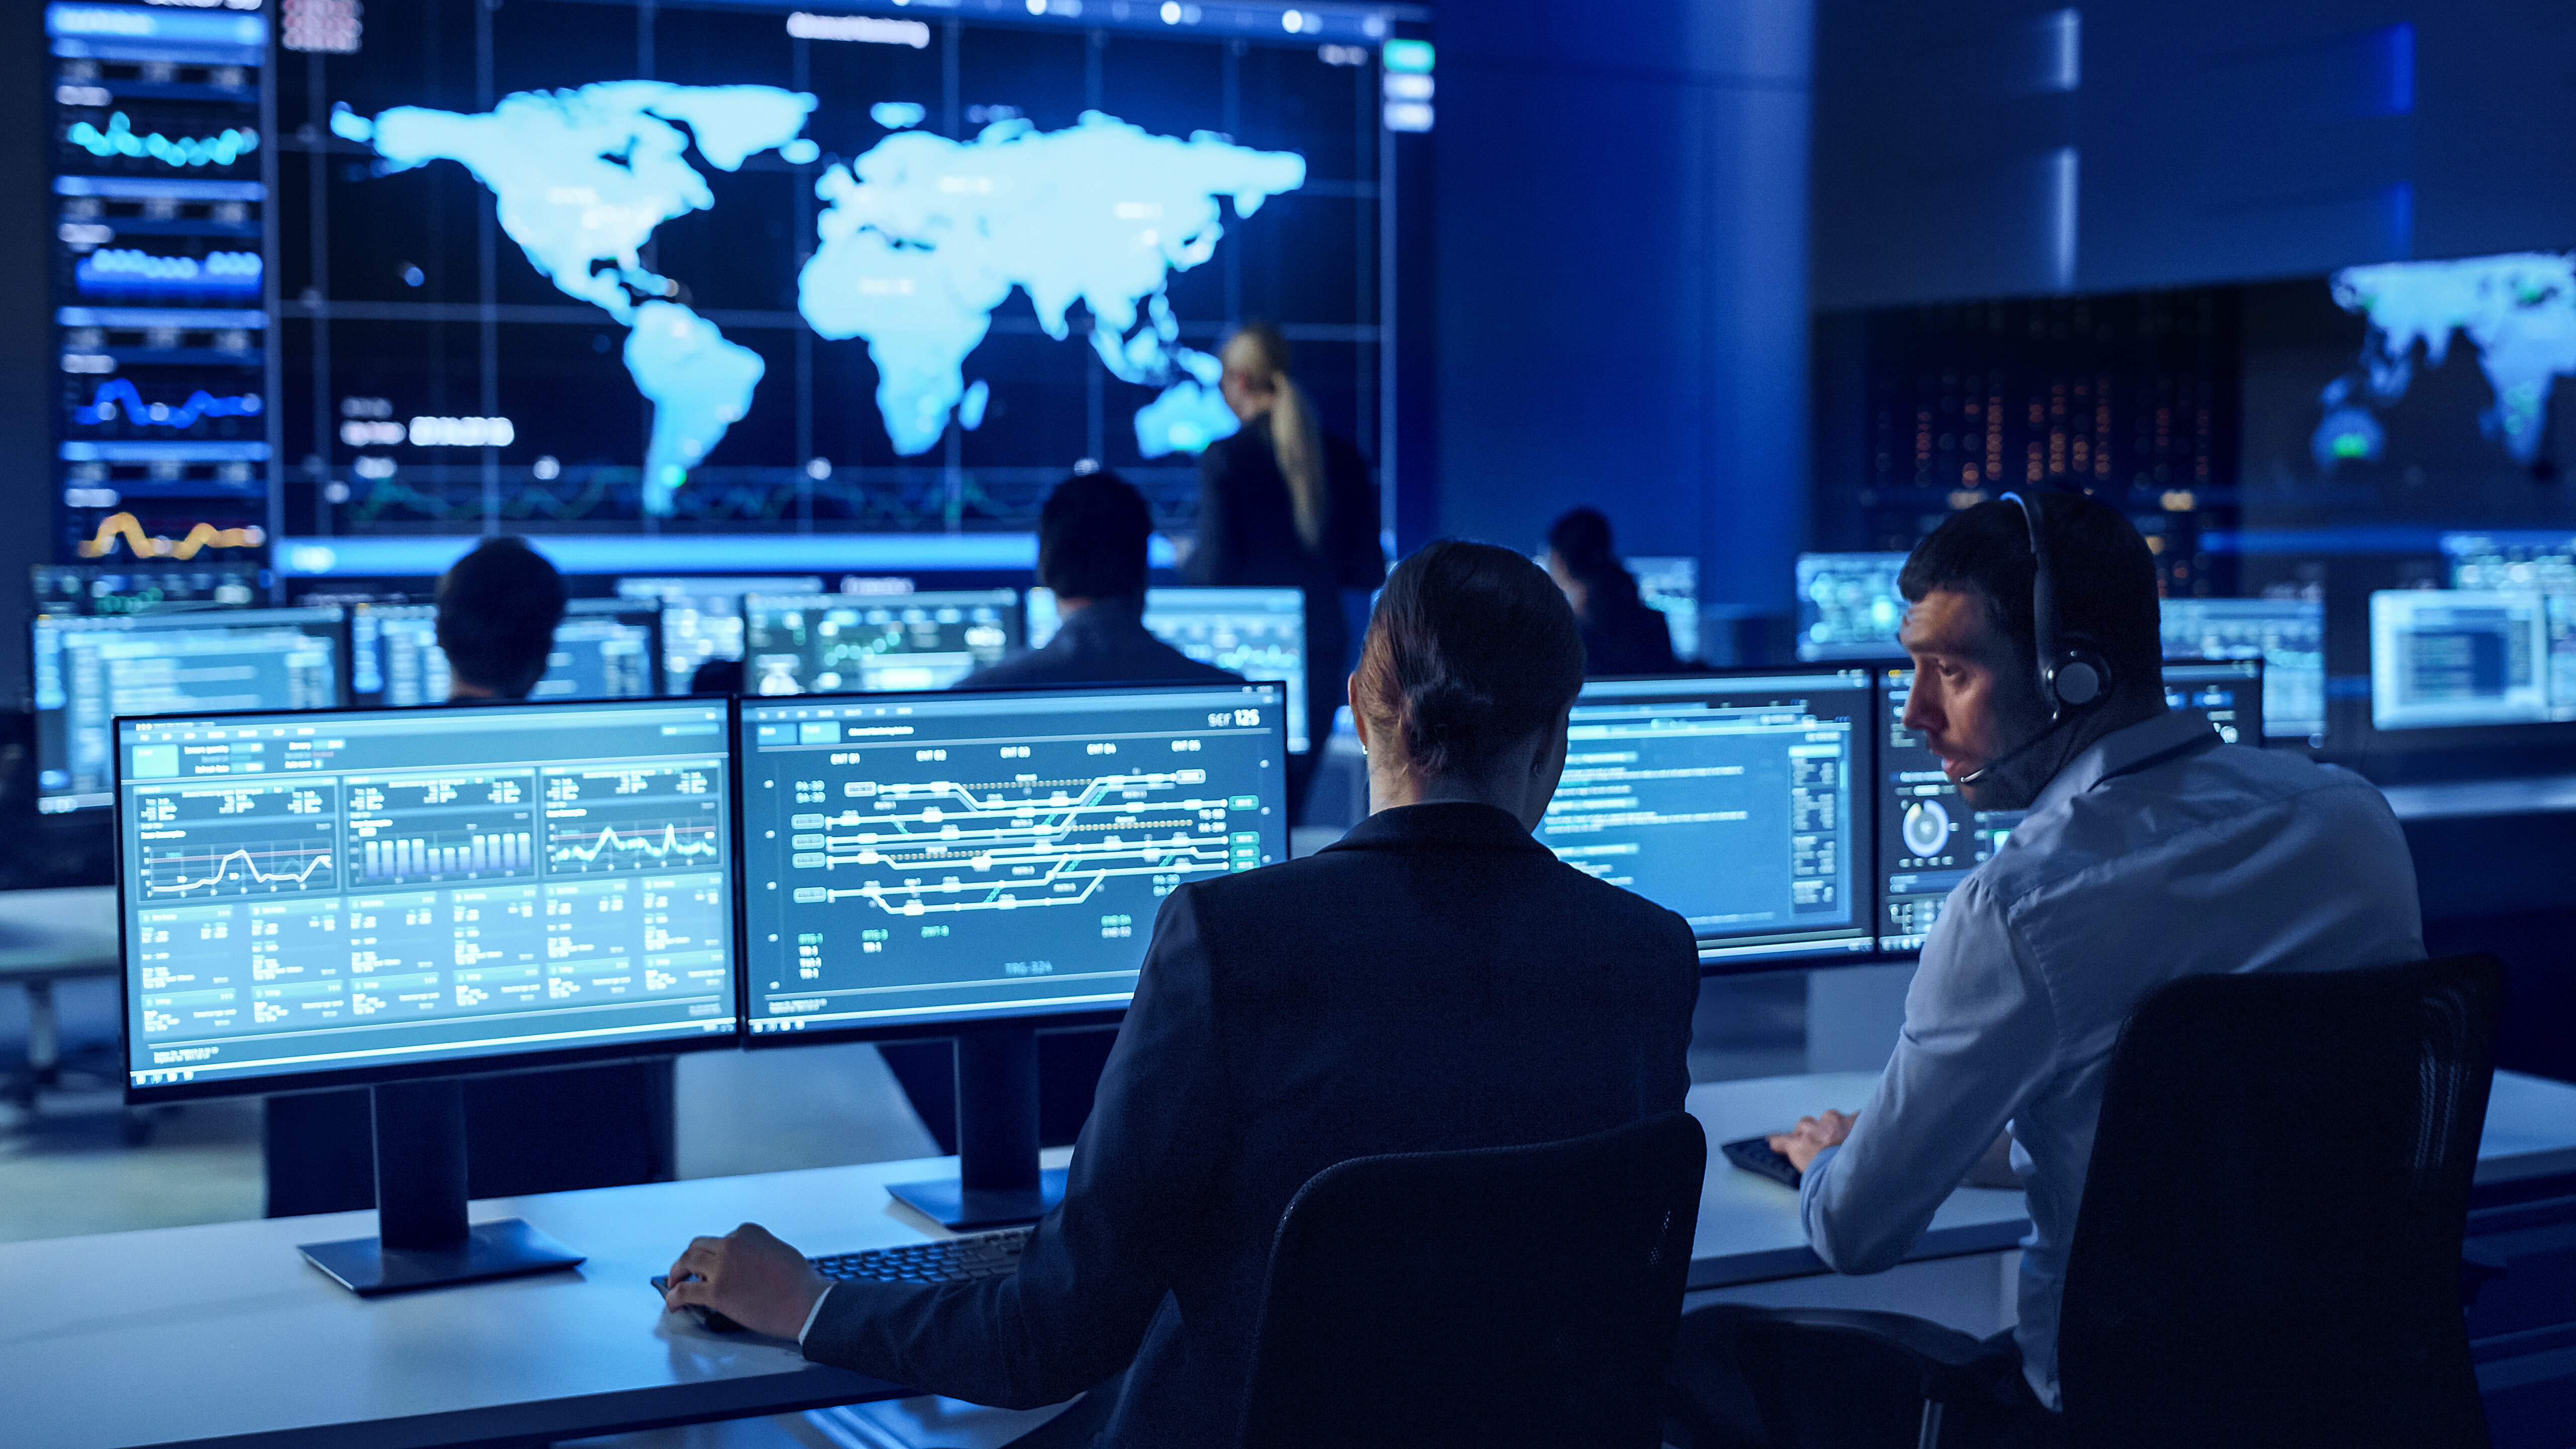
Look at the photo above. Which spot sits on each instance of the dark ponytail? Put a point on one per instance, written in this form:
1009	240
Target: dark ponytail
1471	651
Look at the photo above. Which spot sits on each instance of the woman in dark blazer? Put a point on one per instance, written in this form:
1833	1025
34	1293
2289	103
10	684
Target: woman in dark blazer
1284	503
1436	980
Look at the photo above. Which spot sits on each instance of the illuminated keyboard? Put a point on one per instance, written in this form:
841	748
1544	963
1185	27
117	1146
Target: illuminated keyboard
968	1259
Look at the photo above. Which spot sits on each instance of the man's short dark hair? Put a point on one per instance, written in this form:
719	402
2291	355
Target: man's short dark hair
497	611
2105	576
1091	537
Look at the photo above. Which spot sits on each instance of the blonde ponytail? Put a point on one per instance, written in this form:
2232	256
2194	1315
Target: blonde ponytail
1296	440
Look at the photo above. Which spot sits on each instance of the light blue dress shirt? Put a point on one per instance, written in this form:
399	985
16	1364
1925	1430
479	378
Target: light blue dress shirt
2145	860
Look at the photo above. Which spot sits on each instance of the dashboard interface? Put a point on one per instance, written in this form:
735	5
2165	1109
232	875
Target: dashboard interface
834	643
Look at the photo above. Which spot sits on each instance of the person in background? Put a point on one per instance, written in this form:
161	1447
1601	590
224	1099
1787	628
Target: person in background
2138	820
717	676
1284	503
1092	537
497	611
1621	633
1436	980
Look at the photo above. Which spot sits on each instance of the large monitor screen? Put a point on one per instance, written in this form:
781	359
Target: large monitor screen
89	670
837	643
1848	605
1736	801
604	649
145	588
943	858
1928	837
412	891
702	616
2447	658
1257	633
2288	635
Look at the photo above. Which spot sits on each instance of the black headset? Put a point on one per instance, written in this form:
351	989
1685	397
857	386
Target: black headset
2070	677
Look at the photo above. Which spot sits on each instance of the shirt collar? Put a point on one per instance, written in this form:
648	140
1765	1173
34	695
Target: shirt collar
2118	751
1104	618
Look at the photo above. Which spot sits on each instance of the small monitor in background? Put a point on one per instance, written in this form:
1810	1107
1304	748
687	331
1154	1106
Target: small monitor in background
2288	635
2229	693
853	643
2448	658
2512	562
1670	586
1928	836
145	588
1255	632
1738	802
1848	605
702	616
603	649
88	670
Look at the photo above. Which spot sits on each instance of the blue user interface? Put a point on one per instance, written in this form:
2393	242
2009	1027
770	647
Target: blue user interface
330	891
90	670
1257	633
1731	800
702	615
2288	635
956	857
603	649
1929	837
2448	658
1848	605
833	643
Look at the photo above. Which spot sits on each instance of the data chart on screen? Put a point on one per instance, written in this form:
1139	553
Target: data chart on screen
341	891
1732	800
913	859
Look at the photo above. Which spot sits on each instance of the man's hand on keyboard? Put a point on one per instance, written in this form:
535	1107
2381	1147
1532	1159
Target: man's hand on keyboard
1813	1135
750	1277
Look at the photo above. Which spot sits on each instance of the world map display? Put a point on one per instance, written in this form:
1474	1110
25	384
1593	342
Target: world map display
2517	310
920	239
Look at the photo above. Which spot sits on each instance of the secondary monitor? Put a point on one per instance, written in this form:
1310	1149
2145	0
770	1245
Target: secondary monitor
1849	606
2288	635
603	649
393	896
1255	632
2447	658
702	615
831	643
2229	693
2512	561
1669	585
89	670
1737	801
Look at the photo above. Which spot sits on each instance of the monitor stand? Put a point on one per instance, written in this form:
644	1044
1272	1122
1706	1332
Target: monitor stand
998	1182
423	1240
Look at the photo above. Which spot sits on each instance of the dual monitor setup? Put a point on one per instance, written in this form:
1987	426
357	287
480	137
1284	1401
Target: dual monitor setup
202	656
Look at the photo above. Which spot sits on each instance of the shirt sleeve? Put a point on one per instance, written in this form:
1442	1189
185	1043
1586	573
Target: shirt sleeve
1980	1039
1096	1270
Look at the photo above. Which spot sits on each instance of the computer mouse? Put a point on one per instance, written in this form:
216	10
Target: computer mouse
708	1318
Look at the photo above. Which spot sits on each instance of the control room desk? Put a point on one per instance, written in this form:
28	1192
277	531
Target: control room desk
190	1335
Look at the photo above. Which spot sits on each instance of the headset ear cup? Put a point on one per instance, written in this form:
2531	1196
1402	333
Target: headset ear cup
2083	679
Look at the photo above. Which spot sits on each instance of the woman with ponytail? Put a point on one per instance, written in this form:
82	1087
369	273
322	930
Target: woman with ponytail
1436	980
1282	502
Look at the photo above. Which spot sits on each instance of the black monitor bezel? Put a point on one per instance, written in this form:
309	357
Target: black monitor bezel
1863	950
282	1084
942	1030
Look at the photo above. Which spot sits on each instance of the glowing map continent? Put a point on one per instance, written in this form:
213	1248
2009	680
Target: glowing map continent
581	178
2517	310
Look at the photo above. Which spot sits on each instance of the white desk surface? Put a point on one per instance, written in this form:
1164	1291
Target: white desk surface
69	932
180	1335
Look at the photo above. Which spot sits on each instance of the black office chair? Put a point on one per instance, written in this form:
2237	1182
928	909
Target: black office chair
1492	1297
2268	1250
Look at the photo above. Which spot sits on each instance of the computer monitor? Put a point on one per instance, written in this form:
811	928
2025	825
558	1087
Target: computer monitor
398	897
835	643
1737	801
1670	587
973	863
702	616
2512	561
1928	836
603	649
90	669
1848	605
1255	632
2449	658
2229	693
2288	635
144	588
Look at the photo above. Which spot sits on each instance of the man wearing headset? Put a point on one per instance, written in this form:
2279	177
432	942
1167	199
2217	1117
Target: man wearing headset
2151	851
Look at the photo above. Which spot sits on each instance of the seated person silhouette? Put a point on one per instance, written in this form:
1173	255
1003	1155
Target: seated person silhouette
1092	536
1436	980
1622	633
497	611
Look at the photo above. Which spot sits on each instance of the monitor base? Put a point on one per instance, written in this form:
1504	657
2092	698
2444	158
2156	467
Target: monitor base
504	1249
959	1208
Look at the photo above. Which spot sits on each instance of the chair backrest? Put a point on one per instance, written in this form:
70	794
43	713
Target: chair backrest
1494	1297
2268	1250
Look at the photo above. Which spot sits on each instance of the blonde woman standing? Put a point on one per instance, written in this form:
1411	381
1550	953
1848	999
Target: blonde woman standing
1283	503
